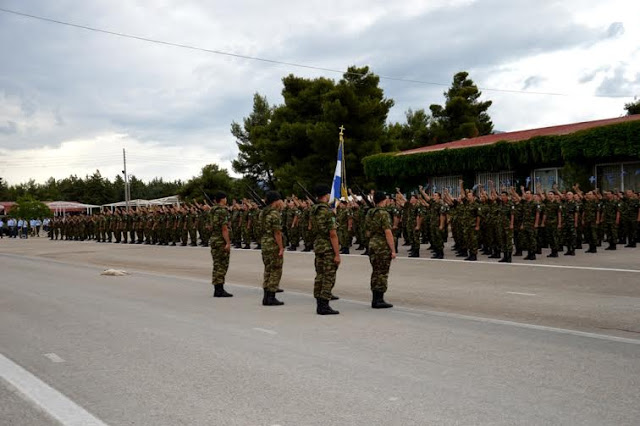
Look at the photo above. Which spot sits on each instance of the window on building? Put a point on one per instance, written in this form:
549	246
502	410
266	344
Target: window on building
501	180
438	184
618	177
631	176
544	179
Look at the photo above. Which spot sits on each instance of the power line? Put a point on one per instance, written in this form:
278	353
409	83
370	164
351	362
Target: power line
277	62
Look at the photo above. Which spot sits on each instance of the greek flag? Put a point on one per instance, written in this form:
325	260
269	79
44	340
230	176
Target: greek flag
339	188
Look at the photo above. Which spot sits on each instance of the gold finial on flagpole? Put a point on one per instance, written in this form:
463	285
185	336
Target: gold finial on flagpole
341	131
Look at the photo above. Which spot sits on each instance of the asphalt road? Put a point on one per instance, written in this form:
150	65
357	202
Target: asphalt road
156	349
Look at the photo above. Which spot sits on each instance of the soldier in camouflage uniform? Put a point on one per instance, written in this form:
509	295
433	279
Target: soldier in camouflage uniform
530	222
381	249
326	248
272	247
570	223
552	222
506	223
631	217
610	218
345	223
220	244
590	220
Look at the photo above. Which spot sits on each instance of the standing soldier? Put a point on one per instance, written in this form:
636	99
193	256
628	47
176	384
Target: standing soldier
570	224
610	218
381	249
474	214
530	222
590	220
272	247
632	217
506	221
414	222
220	244
326	248
345	222
552	222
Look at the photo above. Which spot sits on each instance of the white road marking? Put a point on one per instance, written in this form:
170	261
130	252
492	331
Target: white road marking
482	262
54	358
520	294
264	330
397	309
58	406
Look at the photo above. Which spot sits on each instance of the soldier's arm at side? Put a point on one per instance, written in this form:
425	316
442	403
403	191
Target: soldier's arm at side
335	245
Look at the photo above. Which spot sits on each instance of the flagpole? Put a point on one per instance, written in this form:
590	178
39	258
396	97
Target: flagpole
343	188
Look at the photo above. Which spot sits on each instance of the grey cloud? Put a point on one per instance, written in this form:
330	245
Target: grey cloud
9	129
590	75
532	81
619	85
616	29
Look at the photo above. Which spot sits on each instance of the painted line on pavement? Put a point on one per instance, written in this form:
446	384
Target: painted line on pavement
264	330
520	294
483	262
54	358
396	309
55	404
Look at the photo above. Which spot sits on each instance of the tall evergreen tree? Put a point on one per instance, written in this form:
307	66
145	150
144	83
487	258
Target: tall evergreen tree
632	108
463	114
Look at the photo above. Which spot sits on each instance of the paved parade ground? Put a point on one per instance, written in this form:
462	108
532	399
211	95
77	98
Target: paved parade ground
556	341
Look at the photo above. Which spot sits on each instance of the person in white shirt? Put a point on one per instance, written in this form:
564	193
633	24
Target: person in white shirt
11	223
2	228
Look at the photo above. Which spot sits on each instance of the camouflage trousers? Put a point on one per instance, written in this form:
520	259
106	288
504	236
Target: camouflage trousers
506	240
344	238
437	240
553	236
220	258
326	270
529	238
272	269
569	235
380	259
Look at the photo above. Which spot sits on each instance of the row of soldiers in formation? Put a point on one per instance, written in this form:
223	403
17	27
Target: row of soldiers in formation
495	221
492	222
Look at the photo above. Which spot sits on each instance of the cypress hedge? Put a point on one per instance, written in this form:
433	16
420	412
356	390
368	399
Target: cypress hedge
617	141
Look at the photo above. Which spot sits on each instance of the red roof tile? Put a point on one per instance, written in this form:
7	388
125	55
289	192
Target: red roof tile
521	135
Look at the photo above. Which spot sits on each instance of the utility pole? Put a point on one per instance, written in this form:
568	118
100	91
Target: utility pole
127	195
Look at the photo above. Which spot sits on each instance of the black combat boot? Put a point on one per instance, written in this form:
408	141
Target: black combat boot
270	299
344	250
471	257
553	253
323	308
414	253
632	244
531	256
334	297
292	248
377	301
264	296
220	291
462	253
592	249
504	258
439	254
612	246
246	247
495	255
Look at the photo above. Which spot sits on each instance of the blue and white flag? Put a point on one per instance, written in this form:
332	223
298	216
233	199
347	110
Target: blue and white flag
336	187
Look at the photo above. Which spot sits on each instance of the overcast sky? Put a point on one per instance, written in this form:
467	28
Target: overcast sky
72	99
